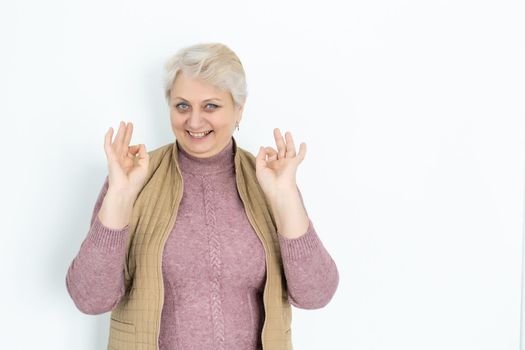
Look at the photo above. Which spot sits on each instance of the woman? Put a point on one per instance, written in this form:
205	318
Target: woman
198	244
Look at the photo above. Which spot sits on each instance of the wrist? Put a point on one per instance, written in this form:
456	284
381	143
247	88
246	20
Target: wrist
283	196
121	198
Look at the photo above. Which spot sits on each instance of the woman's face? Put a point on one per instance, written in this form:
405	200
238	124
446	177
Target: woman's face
197	106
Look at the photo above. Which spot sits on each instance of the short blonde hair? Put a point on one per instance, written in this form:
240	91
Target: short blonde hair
215	63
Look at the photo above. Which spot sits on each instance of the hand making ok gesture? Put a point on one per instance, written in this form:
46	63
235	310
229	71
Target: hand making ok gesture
276	169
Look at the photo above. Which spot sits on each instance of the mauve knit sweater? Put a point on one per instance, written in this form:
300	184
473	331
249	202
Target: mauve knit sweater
213	264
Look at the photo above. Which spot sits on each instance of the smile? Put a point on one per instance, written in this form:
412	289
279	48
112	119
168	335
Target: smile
199	135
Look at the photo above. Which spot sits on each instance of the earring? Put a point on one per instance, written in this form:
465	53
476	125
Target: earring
237	125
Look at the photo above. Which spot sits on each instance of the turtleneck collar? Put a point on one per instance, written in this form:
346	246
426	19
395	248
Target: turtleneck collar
222	161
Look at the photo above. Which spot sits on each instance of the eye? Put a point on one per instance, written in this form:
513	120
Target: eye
179	106
212	104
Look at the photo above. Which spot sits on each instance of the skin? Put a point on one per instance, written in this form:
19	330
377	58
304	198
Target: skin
199	106
276	172
196	105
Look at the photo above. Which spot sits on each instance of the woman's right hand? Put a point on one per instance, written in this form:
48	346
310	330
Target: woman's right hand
127	165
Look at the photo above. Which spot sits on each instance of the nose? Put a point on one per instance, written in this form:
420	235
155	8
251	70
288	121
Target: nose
196	121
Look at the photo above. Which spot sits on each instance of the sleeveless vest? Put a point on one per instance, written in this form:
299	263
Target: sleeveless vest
135	321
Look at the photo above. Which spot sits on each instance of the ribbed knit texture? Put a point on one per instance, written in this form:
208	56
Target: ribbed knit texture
213	264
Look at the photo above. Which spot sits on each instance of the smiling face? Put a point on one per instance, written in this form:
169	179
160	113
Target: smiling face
197	106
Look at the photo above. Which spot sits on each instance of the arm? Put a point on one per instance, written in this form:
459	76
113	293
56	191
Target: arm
95	278
311	273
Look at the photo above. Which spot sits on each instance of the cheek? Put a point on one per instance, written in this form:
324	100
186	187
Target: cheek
176	120
222	121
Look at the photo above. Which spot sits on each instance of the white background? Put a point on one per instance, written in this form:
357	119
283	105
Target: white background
413	116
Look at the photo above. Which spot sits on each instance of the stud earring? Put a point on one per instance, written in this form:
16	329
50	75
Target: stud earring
237	125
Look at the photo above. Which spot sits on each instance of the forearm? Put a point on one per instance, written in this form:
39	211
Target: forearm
311	273
116	209
95	278
290	215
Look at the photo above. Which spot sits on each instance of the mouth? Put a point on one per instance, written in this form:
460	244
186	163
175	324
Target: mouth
199	135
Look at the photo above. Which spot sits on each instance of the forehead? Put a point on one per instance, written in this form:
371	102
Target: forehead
195	89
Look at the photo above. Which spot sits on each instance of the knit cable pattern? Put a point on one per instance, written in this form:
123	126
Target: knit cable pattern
216	266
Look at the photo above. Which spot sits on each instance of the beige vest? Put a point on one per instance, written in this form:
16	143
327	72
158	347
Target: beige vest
135	321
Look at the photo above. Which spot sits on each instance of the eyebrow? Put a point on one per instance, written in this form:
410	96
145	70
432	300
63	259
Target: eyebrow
208	99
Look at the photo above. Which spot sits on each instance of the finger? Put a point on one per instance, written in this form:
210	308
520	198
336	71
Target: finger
281	146
260	159
117	143
290	147
133	150
127	136
143	155
302	152
134	147
272	153
107	143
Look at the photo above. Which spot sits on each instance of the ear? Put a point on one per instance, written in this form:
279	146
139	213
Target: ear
241	109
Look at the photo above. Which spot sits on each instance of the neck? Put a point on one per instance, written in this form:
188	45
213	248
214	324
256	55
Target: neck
219	162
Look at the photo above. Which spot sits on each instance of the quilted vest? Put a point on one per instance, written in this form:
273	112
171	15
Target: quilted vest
135	321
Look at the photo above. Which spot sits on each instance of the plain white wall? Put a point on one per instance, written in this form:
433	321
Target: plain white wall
412	112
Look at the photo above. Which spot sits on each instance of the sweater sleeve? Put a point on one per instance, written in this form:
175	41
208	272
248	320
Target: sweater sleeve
95	277
311	273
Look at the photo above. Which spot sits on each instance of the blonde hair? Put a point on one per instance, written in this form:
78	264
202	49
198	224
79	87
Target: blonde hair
214	63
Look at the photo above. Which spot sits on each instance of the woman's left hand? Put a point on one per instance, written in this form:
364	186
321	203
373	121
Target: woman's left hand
276	169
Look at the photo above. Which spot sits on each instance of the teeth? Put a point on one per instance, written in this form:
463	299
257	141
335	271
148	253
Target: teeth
199	134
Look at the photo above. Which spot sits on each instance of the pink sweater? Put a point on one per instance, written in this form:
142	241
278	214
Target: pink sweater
213	265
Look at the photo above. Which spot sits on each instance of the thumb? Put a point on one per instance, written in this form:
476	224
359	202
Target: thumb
260	159
143	155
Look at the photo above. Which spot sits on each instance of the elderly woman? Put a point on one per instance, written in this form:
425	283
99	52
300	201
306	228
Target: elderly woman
199	244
